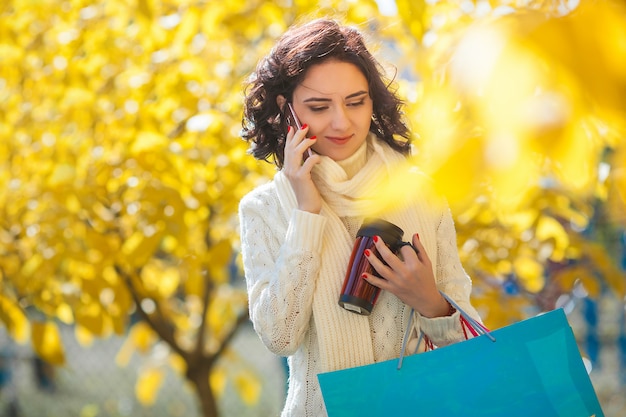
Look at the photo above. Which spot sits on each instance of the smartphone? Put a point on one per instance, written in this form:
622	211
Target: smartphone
293	120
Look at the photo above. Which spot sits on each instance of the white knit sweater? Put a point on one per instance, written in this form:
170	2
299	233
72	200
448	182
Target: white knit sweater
295	262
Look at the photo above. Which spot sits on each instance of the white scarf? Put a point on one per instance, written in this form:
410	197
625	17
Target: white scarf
345	337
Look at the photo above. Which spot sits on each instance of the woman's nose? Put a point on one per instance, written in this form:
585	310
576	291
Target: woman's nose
340	119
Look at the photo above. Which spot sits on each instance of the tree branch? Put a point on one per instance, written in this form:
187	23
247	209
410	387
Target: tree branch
208	288
158	324
242	318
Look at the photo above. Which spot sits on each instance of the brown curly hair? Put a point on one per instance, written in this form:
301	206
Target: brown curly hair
284	68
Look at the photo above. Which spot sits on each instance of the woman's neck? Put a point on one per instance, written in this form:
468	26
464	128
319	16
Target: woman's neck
352	164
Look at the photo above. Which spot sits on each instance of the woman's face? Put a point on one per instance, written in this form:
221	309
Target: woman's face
333	99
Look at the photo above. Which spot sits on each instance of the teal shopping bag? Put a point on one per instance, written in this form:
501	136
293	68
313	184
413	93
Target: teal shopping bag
532	369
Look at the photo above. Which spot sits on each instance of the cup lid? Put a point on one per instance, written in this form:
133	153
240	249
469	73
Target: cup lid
389	232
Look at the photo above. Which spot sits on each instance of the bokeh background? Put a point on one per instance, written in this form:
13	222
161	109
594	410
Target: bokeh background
121	291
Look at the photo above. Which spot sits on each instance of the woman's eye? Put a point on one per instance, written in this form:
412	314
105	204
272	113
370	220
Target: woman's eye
357	103
317	109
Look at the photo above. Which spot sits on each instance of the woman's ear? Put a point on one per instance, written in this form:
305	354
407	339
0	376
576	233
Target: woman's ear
281	101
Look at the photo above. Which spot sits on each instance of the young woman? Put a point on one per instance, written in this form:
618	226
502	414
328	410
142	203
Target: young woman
297	231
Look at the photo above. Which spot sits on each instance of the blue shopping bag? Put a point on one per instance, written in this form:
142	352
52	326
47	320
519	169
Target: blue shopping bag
532	369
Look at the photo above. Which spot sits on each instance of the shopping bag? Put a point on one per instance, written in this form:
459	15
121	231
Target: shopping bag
533	368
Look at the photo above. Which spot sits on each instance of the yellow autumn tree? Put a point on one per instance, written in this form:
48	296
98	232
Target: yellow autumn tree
121	172
121	165
520	115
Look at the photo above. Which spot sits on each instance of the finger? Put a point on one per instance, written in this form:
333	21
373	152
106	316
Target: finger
296	135
377	264
311	161
385	252
300	134
375	281
291	133
305	146
410	253
296	145
421	252
289	141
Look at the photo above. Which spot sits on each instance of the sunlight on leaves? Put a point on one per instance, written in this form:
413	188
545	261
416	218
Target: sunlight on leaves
14	319
148	384
160	280
530	273
92	318
248	386
550	229
83	336
218	380
219	256
47	342
141	338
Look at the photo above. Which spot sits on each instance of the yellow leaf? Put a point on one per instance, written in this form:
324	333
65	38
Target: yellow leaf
47	342
217	379
10	53
188	27
83	336
146	9
577	160
31	265
248	387
195	281
610	272
221	315
170	278
549	228
504	267
91	317
148	384
65	314
148	142
219	257
77	97
591	284
139	248
142	336
14	319
520	220
63	174
530	273
160	279
567	277
451	174
125	353
119	322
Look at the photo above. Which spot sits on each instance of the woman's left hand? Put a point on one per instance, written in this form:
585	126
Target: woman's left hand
411	278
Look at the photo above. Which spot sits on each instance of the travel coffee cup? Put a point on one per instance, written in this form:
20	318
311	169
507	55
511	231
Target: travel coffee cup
358	295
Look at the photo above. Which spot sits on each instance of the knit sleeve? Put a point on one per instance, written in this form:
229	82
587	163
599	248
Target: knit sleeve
452	280
281	259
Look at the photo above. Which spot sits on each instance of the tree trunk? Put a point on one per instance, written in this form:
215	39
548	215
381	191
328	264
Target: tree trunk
199	377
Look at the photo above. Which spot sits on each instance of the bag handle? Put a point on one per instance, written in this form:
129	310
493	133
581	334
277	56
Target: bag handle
472	323
476	328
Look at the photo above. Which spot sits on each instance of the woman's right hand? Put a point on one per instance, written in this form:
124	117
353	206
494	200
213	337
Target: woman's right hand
298	171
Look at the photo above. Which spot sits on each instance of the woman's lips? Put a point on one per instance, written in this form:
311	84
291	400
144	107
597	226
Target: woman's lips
339	139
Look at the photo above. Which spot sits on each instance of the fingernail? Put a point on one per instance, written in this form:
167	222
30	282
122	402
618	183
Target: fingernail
363	275
418	236
288	128
367	252
313	137
304	126
376	239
